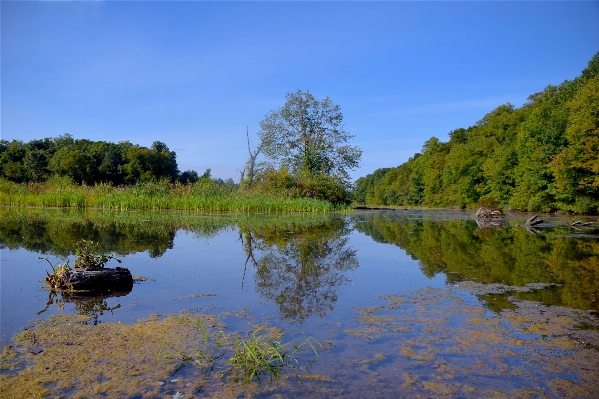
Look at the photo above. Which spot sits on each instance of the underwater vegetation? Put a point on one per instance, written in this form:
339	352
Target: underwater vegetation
65	355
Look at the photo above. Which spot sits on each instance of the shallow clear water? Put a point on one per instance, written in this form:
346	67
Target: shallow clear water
407	303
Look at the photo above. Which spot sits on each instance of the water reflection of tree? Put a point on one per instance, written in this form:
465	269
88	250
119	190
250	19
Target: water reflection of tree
57	233
94	307
504	255
301	270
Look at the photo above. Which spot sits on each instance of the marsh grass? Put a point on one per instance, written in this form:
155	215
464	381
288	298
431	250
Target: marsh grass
255	358
200	196
258	357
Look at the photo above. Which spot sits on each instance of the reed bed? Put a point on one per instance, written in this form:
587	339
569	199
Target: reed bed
202	196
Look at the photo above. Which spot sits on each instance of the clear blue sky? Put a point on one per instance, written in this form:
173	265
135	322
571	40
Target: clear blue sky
194	74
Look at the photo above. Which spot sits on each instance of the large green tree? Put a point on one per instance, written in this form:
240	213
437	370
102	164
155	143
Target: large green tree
307	136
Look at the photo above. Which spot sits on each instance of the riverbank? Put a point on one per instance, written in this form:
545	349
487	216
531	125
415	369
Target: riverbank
157	195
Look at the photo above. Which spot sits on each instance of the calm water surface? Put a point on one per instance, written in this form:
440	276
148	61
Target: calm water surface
405	303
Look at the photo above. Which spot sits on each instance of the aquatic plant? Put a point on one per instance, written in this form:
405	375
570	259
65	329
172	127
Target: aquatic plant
53	279
89	255
252	359
255	357
258	356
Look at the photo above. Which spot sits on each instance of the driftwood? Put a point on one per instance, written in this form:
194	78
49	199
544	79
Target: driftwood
533	221
484	213
581	223
98	280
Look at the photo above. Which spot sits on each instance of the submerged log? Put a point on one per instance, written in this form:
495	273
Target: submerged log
98	280
533	221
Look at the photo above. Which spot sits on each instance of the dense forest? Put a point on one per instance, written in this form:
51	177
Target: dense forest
543	156
89	162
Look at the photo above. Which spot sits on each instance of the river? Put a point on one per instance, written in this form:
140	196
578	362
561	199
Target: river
394	303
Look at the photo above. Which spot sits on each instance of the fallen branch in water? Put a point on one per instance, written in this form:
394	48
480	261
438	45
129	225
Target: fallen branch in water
581	223
533	221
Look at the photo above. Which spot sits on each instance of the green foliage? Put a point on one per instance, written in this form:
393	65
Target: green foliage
489	201
307	137
128	176
75	164
258	356
86	162
53	279
364	189
276	182
189	176
281	183
540	157
144	164
89	255
203	195
323	187
11	160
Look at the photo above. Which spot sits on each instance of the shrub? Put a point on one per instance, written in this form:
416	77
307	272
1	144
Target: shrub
489	201
323	187
89	255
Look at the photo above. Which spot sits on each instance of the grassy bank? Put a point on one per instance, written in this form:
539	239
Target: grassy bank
200	196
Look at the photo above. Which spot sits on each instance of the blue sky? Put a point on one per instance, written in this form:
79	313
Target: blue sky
194	74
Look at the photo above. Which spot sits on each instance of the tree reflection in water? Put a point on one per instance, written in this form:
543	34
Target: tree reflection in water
300	270
504	254
94	307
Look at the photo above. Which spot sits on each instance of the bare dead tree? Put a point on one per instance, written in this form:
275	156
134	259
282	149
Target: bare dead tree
252	167
248	247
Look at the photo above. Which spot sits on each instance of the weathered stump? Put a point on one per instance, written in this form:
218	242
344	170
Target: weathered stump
484	213
98	280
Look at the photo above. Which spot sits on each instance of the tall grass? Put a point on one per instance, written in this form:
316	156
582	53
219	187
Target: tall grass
204	195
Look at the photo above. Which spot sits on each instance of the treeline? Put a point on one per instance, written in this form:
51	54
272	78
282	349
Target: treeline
90	162
543	156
